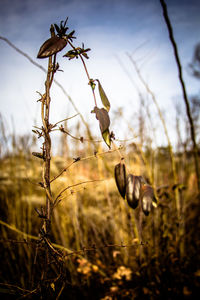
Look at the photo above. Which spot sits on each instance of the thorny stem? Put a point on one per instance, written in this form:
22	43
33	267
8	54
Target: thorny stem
189	115
47	144
88	76
45	110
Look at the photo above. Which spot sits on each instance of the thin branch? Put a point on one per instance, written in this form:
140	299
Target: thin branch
86	70
63	170
73	185
94	248
65	120
81	139
84	158
12	286
185	97
32	237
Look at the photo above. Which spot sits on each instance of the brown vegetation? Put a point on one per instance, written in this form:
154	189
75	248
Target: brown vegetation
66	233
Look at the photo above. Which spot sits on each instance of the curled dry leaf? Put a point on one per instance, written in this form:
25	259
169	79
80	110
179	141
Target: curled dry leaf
120	178
133	185
103	118
51	46
104	123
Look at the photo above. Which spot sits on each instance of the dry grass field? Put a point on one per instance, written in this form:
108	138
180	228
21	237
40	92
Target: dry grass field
110	251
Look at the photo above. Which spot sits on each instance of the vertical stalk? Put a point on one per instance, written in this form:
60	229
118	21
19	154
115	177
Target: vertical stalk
86	71
45	111
185	97
48	147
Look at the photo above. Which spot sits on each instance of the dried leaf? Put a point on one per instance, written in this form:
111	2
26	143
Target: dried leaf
103	96
104	123
51	46
103	117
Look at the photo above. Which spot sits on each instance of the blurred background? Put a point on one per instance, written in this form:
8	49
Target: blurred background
113	30
122	254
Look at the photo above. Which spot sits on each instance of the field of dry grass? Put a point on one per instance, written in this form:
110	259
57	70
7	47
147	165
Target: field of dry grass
110	251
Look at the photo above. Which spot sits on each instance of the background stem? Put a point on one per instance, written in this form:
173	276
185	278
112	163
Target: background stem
185	97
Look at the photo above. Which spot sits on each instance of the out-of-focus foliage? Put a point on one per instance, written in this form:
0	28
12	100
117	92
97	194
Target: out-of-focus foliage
96	223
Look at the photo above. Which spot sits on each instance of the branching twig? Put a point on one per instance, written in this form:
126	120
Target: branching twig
65	120
70	186
82	159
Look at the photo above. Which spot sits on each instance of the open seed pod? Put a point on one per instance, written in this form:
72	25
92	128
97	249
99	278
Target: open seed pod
133	185
120	178
147	196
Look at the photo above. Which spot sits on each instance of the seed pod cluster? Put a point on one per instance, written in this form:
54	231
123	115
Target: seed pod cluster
134	189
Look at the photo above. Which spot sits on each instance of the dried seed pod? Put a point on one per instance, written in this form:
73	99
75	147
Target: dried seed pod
147	196
51	46
120	178
38	154
133	185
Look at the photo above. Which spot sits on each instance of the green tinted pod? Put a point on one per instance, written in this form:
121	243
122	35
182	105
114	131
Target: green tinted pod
147	196
133	185
120	178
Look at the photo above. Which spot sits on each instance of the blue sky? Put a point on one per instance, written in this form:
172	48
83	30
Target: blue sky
111	29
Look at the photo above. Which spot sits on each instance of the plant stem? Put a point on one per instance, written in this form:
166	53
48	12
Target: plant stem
88	76
47	140
185	97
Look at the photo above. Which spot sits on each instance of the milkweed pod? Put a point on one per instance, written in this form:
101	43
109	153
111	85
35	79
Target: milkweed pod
133	185
147	196
120	178
51	46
